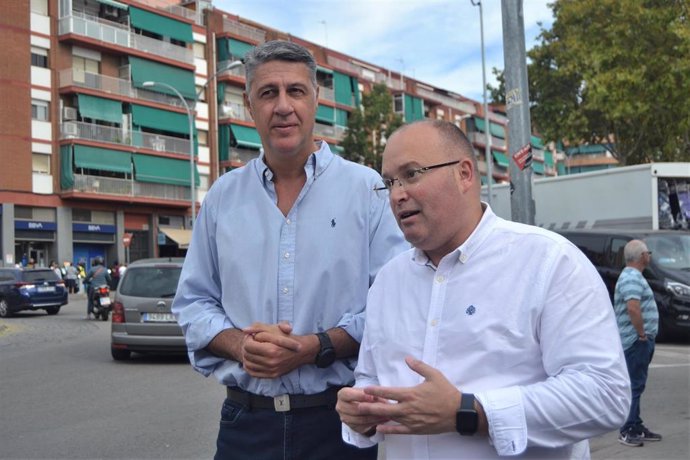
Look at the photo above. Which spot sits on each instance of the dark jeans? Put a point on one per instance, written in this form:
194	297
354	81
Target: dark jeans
637	357
301	434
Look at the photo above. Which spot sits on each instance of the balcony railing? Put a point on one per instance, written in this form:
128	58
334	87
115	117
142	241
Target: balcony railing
333	132
177	10
243	30
112	85
236	71
234	110
128	188
446	100
480	138
327	94
80	23
243	155
112	135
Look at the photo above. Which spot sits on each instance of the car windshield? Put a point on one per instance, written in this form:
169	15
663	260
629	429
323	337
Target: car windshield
159	281
670	251
40	275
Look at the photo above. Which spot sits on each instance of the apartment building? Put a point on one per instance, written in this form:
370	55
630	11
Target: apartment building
107	102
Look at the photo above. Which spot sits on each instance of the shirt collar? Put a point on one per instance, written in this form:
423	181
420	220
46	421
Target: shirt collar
315	165
464	252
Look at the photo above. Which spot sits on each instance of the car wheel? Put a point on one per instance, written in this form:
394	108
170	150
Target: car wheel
5	311
120	354
52	310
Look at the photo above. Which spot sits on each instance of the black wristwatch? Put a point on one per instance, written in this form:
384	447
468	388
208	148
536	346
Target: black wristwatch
326	355
467	419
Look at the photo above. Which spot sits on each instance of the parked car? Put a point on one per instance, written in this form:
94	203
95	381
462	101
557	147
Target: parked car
141	319
668	273
30	289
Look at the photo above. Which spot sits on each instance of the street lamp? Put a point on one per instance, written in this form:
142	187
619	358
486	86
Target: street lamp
190	117
487	126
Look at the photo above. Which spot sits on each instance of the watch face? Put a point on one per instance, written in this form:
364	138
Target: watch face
325	358
467	422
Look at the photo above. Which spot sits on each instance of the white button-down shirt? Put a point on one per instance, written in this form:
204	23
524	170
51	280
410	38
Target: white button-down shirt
516	315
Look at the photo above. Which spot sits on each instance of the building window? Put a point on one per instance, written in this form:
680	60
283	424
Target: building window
39	7
398	103
40	110
202	137
201	91
40	163
81	215
199	50
39	57
82	66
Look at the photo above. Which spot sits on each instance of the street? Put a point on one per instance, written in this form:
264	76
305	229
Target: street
62	396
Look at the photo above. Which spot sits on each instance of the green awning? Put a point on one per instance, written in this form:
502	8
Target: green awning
224	142
496	129
341	117
548	157
99	108
163	120
324	70
114	4
325	113
102	159
159	170
66	172
501	158
239	49
161	25
538	167
338	150
246	137
413	108
537	142
342	85
180	79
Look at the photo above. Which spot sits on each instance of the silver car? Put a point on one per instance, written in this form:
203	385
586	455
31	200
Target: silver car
142	321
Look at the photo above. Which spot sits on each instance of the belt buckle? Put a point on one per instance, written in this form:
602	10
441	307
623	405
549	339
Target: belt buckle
281	403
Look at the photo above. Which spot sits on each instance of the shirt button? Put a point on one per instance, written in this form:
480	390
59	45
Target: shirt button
463	258
440	279
287	255
285	290
288	221
434	323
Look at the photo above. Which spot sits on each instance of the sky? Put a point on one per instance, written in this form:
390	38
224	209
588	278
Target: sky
435	41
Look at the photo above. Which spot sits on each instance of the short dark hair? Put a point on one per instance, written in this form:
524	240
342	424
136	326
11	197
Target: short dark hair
277	50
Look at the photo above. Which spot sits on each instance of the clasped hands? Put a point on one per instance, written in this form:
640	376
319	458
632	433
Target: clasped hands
270	350
427	408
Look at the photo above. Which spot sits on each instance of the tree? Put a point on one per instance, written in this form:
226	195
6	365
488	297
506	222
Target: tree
615	72
369	127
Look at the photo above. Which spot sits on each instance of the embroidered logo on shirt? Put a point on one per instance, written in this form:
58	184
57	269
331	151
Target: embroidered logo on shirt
471	310
332	222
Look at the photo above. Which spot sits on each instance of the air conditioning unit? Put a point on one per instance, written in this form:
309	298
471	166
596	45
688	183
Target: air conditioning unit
110	12
69	113
70	130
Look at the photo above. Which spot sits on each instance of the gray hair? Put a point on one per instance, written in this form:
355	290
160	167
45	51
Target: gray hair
277	50
633	250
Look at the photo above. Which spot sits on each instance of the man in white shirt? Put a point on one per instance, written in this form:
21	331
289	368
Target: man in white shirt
489	337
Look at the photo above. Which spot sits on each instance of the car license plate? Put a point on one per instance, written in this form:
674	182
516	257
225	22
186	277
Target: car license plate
45	289
105	301
158	318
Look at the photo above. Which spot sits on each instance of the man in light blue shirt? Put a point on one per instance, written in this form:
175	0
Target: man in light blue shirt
272	294
638	324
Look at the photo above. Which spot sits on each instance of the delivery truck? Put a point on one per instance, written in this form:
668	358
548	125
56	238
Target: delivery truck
650	196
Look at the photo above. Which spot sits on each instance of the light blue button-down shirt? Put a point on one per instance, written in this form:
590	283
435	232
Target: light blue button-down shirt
248	262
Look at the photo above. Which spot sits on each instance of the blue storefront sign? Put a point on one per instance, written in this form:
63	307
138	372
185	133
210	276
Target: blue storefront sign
35	225
93	228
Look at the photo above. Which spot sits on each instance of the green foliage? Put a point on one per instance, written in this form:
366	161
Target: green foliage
368	128
615	71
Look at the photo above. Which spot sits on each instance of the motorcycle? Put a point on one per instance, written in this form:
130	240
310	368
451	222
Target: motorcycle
101	302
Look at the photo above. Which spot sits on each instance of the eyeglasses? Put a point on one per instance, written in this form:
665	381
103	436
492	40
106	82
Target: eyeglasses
648	252
409	177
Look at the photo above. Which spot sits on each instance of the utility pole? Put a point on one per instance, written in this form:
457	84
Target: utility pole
517	105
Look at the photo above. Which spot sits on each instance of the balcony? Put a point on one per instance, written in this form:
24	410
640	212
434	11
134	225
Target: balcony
112	85
112	135
114	33
479	137
176	10
243	155
128	188
243	30
332	132
234	110
327	94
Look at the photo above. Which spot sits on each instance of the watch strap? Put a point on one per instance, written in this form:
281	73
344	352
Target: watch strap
324	341
467	418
